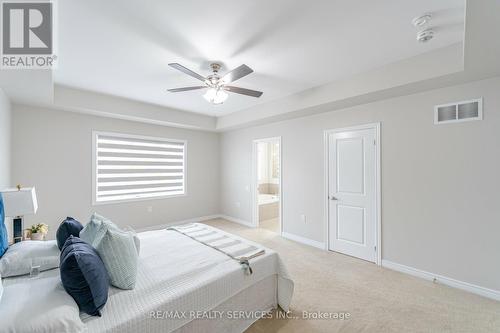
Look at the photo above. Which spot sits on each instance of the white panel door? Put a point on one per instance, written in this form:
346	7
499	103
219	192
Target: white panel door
352	193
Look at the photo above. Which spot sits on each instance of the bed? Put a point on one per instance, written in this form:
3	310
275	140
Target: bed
182	286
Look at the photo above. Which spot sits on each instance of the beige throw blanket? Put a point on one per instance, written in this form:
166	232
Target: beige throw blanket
235	248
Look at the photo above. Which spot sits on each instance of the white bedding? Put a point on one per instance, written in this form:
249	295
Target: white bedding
255	299
38	305
175	273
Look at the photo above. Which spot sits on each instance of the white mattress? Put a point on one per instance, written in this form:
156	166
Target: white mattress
179	274
255	299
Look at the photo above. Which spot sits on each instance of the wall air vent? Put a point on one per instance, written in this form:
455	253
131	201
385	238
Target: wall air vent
458	112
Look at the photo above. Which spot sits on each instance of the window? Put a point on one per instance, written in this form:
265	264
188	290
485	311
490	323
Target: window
130	167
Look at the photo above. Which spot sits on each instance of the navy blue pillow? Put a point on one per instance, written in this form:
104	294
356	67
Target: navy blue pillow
84	276
68	227
4	239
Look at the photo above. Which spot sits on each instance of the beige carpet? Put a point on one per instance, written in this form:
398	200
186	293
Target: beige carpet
377	299
271	225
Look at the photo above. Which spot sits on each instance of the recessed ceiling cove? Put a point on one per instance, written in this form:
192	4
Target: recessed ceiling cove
124	48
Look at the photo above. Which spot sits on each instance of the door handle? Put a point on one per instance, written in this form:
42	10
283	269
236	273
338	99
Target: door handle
333	198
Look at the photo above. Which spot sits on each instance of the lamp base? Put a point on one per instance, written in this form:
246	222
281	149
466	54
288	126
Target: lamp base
17	228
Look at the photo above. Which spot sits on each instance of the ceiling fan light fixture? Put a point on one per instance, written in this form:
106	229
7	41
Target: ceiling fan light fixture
217	89
216	95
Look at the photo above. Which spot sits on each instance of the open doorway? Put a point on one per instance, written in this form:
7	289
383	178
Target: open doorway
267	184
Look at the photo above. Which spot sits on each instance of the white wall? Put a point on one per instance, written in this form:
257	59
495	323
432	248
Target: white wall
52	151
5	155
439	183
5	124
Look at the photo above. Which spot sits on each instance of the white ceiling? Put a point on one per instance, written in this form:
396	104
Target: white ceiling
123	47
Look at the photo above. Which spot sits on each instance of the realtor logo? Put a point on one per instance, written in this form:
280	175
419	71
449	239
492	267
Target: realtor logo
27	35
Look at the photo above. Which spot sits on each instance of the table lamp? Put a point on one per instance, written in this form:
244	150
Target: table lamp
17	203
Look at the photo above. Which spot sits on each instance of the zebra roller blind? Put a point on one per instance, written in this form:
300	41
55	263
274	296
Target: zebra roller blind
129	167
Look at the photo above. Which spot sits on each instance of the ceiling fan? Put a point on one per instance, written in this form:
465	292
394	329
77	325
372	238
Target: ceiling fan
216	84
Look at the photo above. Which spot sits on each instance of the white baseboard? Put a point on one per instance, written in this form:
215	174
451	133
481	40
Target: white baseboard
196	219
475	289
303	240
236	220
166	225
293	237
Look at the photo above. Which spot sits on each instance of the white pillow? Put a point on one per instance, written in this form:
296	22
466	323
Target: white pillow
95	230
19	257
119	255
38	305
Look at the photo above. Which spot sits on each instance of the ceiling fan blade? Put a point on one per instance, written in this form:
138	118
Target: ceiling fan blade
243	91
237	73
187	71
186	88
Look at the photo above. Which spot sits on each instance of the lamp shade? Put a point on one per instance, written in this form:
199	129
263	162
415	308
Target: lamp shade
19	202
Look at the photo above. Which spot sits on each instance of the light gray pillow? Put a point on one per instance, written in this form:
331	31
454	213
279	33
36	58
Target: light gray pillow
119	255
19	257
39	305
94	231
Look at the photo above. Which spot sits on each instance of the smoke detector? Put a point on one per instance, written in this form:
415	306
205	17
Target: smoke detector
421	20
425	35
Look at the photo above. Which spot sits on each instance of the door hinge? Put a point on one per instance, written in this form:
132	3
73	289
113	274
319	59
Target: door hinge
374	142
375	248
